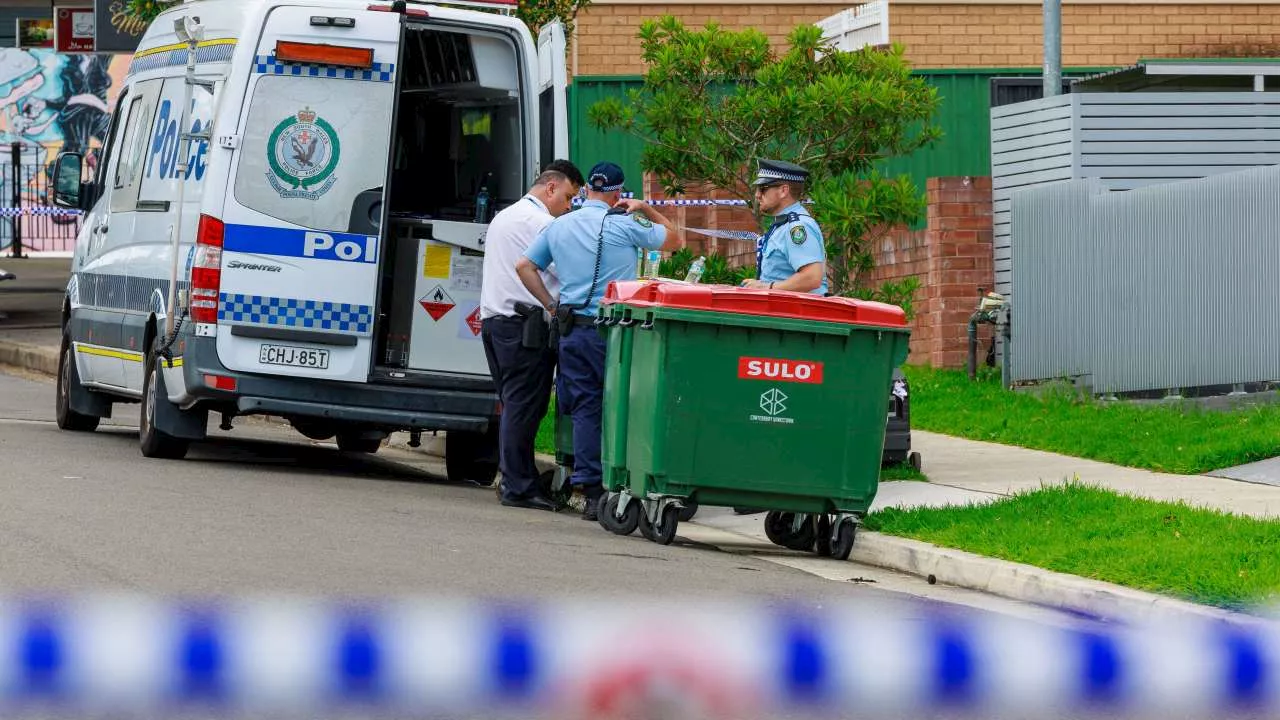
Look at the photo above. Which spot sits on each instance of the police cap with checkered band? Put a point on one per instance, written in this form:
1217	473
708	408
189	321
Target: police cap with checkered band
776	171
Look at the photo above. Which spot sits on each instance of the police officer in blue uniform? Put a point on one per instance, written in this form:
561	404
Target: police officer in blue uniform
791	255
591	247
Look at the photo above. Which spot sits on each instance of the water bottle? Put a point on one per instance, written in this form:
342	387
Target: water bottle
695	270
482	205
655	259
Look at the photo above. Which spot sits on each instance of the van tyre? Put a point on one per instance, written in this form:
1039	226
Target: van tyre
69	379
355	443
156	443
471	457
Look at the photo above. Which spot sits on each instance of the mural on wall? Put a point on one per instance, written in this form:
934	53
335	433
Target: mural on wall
50	102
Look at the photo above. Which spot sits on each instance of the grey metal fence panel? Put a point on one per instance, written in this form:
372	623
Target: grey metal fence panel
1126	140
1163	287
1188	292
1052	260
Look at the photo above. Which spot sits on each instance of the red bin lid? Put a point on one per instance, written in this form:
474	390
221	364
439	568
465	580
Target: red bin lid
766	303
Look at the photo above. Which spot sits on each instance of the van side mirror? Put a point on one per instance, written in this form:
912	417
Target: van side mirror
67	187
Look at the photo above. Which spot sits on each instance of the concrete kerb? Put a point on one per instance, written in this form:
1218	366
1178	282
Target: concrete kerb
35	358
1026	583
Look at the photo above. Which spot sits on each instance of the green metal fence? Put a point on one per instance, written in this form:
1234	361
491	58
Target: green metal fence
963	114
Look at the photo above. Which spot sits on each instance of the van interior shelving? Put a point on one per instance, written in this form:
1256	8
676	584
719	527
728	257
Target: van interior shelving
458	133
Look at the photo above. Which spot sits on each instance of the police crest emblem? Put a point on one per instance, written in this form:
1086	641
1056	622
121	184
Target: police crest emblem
642	221
303	152
799	235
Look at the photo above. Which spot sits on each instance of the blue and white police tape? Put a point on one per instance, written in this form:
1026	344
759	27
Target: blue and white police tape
662	202
10	212
127	656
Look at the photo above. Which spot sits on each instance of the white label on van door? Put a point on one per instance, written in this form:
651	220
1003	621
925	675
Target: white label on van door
160	173
303	151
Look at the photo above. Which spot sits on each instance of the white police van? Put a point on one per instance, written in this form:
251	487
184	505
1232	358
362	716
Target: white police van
289	214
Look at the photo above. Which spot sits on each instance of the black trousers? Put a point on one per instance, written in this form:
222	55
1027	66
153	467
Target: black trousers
523	377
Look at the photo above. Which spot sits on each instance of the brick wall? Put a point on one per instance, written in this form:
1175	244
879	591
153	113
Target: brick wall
606	42
943	36
958	35
953	259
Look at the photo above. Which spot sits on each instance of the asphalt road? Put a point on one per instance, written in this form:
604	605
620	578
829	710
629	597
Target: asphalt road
261	509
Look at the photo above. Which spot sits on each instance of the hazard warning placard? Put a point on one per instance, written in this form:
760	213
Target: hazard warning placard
437	303
469	323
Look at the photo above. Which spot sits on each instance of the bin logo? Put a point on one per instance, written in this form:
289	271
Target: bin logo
774	403
779	370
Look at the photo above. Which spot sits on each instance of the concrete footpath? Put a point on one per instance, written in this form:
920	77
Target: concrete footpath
960	471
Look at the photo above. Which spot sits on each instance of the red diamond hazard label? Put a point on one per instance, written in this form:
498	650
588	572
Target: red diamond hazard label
473	321
437	303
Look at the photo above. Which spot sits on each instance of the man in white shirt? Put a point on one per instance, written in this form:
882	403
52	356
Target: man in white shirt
522	375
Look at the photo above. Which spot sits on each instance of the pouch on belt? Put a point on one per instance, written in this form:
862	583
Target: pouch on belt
535	334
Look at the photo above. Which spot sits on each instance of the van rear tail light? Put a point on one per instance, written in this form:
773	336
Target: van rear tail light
206	270
220	382
318	54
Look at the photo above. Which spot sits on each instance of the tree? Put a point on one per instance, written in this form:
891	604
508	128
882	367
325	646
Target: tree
713	101
536	13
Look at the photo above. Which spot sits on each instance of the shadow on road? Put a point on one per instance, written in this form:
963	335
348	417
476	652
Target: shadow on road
267	456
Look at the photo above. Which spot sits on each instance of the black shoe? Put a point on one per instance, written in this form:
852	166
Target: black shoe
535	502
592	510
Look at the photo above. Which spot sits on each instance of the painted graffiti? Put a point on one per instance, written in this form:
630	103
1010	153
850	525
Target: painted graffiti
51	102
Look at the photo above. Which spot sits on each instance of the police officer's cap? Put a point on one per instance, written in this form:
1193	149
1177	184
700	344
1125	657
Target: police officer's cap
605	177
776	171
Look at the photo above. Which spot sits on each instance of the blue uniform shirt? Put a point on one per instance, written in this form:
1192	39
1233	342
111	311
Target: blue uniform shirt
789	246
570	242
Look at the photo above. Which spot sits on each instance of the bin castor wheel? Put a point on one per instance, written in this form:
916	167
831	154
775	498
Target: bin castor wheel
914	460
667	524
780	528
823	536
689	510
547	482
624	525
842	544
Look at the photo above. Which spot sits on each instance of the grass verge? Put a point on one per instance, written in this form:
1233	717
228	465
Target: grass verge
1170	548
1181	438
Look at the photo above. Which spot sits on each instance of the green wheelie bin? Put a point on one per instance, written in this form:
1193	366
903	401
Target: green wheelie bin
723	396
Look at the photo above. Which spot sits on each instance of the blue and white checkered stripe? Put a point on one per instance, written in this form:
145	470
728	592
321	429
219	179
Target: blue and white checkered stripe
10	212
135	657
172	58
291	312
268	65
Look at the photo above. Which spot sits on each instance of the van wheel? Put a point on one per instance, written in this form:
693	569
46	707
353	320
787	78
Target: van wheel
154	442
357	443
68	378
471	457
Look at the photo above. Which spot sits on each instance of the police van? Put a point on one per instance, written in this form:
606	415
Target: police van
288	218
